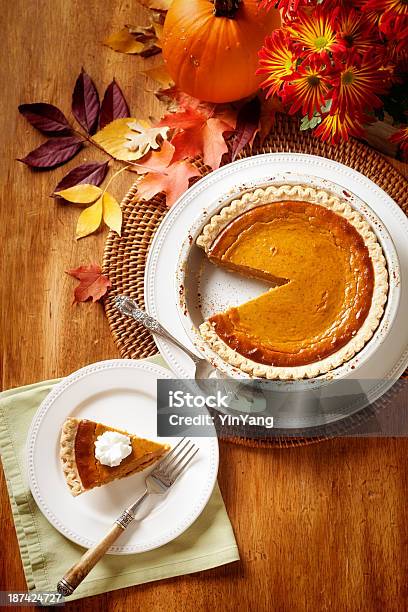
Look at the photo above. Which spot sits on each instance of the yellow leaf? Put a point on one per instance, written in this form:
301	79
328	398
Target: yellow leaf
80	194
112	214
129	139
160	74
112	138
124	42
89	220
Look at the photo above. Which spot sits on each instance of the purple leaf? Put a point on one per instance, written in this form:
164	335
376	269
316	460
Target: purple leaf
85	102
92	173
114	105
46	117
247	124
53	152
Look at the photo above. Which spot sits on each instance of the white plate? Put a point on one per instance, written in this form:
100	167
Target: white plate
120	393
161	288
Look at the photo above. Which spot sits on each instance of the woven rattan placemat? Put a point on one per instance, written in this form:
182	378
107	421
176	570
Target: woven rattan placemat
125	256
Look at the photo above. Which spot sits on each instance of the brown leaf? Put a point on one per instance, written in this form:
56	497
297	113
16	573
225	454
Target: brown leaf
150	49
85	103
53	152
93	284
140	40
114	105
270	107
46	117
92	173
173	182
247	125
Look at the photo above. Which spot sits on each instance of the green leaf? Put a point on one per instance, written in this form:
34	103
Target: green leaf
310	124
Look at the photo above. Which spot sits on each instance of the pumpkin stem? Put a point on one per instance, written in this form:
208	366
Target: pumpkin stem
226	8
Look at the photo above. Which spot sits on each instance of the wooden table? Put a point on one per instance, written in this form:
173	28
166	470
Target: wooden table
324	527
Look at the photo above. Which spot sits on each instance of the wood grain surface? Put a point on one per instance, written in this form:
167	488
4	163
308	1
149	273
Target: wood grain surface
324	527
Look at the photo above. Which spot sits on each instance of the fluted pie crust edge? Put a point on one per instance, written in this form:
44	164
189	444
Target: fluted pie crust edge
270	194
67	456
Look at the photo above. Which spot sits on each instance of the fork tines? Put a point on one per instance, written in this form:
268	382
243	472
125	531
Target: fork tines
176	461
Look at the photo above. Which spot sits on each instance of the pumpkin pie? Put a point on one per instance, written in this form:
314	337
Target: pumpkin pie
83	471
327	274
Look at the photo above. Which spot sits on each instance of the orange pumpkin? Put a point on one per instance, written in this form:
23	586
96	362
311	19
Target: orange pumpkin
210	47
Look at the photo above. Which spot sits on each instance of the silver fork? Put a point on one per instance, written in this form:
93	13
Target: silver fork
158	482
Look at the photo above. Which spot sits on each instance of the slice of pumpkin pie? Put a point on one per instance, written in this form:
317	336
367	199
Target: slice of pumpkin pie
93	454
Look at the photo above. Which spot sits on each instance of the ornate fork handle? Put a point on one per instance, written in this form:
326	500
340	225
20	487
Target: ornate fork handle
129	307
148	322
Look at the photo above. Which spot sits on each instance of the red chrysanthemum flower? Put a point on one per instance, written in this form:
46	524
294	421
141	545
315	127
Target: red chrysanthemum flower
397	7
276	61
291	7
356	83
401	138
395	28
312	34
307	88
335	127
353	31
267	5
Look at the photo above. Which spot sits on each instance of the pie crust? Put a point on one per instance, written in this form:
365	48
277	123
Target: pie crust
69	462
298	193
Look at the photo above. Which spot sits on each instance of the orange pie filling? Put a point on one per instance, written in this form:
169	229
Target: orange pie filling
322	282
93	473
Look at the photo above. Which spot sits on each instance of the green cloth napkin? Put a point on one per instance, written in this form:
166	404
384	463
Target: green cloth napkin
46	554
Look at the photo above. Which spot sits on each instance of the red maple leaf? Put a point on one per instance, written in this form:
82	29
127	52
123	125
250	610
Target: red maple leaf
173	181
199	129
93	284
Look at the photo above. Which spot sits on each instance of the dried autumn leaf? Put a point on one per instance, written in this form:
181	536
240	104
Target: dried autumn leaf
112	138
200	131
119	140
91	173
53	152
89	220
155	160
124	42
114	105
173	96
93	284
247	126
144	137
80	194
85	102
174	182
269	108
214	145
148	35
160	75
47	118
112	213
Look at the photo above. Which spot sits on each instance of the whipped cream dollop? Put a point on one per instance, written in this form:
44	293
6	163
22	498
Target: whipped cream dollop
112	447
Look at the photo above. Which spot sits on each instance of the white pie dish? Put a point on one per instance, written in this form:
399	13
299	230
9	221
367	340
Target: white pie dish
161	290
205	289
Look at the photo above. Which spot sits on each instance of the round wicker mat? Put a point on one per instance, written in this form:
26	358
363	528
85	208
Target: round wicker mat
125	256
